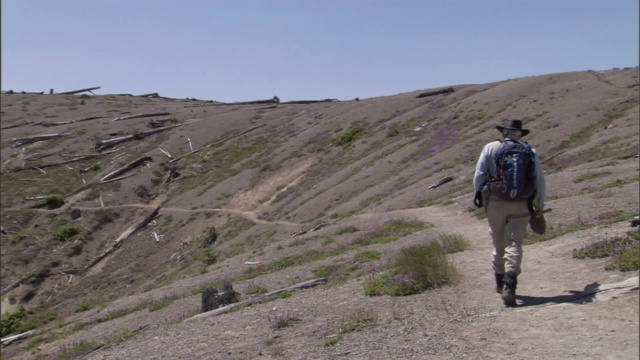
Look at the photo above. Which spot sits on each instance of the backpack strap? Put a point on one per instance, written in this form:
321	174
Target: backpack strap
490	165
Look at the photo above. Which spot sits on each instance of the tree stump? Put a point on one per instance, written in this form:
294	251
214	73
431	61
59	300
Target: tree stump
212	298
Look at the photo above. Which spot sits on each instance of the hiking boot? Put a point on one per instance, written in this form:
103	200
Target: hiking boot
499	282
509	291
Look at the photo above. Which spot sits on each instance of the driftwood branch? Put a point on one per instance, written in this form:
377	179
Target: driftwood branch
141	115
444	180
130	231
79	91
124	169
436	92
30	140
103	144
70	121
309	101
9	339
222	310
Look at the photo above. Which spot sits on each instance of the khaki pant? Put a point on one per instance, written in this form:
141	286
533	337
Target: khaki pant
508	221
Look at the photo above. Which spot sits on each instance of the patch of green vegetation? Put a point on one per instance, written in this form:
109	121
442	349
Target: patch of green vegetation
208	257
392	231
624	251
453	243
367	255
54	201
414	270
347	230
19	236
619	182
66	232
84	305
234	227
256	289
579	224
591	175
292	260
12	323
357	320
78	350
347	137
160	304
328	241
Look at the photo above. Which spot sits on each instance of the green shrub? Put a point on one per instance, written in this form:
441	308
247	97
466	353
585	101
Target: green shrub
66	232
84	305
11	323
208	257
624	251
429	264
453	243
347	137
54	201
414	270
19	236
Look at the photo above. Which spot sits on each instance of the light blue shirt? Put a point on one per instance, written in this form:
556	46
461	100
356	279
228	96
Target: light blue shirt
484	166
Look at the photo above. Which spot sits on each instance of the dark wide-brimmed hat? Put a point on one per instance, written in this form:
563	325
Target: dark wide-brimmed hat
513	125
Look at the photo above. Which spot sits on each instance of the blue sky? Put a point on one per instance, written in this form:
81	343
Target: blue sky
240	50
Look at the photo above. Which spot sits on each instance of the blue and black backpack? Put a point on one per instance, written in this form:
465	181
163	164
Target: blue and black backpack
513	171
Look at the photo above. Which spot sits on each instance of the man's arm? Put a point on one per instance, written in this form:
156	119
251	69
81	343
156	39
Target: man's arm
482	168
541	185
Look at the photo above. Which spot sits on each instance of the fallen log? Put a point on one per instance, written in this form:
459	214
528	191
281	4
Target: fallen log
222	310
130	231
152	95
124	169
70	121
444	180
103	144
9	339
30	140
436	92
141	115
309	101
79	91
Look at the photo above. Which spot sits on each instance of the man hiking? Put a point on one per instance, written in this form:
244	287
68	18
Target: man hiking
510	185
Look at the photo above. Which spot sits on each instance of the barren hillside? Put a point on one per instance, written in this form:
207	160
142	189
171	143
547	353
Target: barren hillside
266	195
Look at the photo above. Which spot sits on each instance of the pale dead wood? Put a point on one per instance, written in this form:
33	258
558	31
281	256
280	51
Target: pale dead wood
79	91
117	242
103	144
224	309
24	141
57	123
126	168
166	153
436	92
141	115
9	339
442	181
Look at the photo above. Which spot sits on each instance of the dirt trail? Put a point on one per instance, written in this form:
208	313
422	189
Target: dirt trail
568	308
